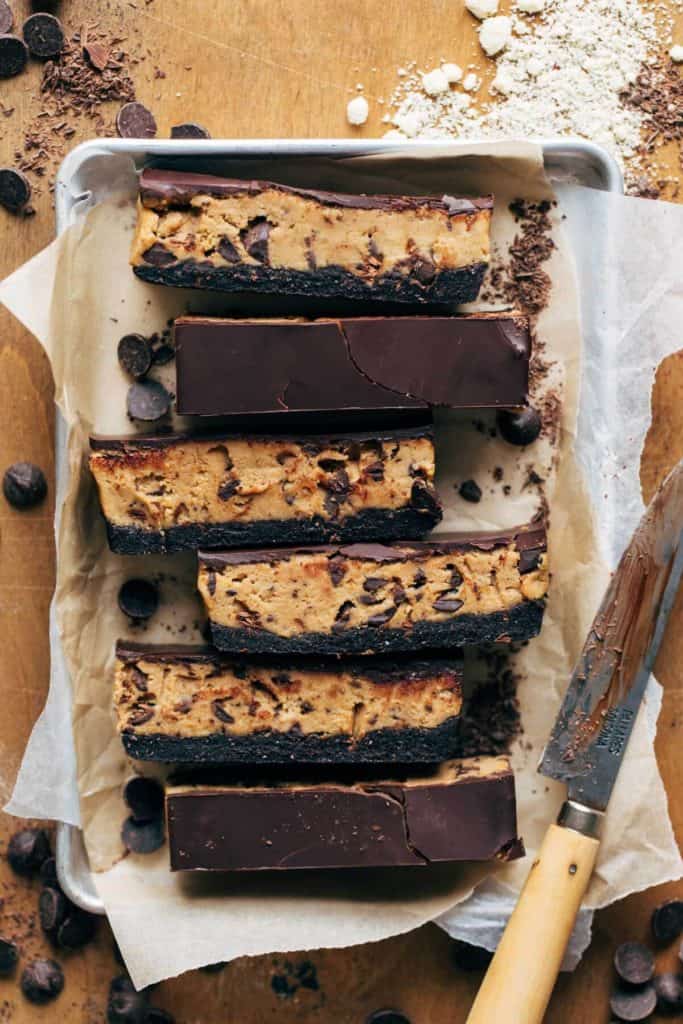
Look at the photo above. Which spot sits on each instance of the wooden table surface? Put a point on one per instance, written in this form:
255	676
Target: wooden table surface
259	68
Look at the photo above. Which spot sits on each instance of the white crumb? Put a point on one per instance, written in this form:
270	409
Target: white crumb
435	82
471	82
482	8
676	54
503	83
357	110
453	72
530	6
494	34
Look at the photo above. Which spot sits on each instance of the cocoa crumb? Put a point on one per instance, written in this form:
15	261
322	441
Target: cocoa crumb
657	95
491	719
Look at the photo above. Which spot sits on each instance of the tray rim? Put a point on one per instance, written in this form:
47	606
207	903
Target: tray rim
562	156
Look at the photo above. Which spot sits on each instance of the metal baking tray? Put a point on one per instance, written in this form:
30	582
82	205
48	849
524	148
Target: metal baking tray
567	161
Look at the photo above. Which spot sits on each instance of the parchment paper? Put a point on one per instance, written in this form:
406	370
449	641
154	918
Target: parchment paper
167	923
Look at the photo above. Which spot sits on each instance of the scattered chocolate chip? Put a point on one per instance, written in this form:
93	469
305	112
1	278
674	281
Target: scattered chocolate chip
28	850
77	929
163	354
189	130
13	56
307	975
214	968
669	990
158	255
52	909
44	36
634	963
282	985
143	836
24	485
15	189
138	599
144	797
221	714
255	239
520	428
97	55
135	121
148	400
6	18
633	1004
135	354
125	1005
387	1017
228	250
470	491
48	872
667	921
42	981
9	956
468	957
447	604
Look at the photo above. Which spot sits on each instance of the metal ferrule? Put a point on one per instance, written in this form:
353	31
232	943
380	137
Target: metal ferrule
580	818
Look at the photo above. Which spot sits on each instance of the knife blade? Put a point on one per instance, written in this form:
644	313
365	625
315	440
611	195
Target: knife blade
585	749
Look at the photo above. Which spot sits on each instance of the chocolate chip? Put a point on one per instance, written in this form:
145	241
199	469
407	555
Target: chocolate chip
211	582
24	485
343	612
135	354
221	714
375	471
148	400
374	583
228	250
255	239
337	569
15	189
380	618
97	55
470	491
633	1004
163	354
125	1005
13	56
144	797
214	968
141	716
387	1017
135	121
9	956
424	271
521	427
423	496
139	679
447	604
138	599
155	1015
189	130
634	963
468	957
48	872
42	981
227	489
667	921
307	975
143	836
529	559
669	991
6	18
419	579
44	36
158	255
52	909
77	930
28	850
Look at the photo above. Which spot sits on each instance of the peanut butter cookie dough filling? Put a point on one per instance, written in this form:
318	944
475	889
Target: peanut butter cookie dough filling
189	705
198	231
453	590
166	493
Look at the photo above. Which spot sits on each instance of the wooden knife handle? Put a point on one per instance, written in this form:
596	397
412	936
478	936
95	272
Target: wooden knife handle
520	979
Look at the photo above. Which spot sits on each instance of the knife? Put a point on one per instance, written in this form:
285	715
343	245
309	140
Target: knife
585	750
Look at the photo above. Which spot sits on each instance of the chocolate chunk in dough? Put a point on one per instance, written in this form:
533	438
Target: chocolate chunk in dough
189	130
134	354
24	485
255	239
9	956
6	18
667	921
148	400
143	836
135	121
13	56
634	963
44	36
28	850
144	797
633	1004
42	981
158	255
519	427
470	491
15	189
138	599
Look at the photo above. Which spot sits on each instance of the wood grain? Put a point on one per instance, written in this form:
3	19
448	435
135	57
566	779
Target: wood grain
261	68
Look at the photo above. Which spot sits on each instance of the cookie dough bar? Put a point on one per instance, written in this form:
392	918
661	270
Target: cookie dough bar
167	493
190	705
199	231
374	598
464	811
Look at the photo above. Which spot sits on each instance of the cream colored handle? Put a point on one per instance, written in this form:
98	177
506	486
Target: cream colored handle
521	977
